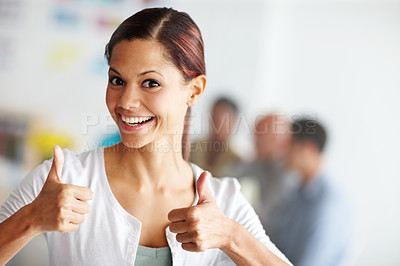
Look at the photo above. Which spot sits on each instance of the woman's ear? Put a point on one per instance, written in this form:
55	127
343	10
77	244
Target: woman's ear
197	86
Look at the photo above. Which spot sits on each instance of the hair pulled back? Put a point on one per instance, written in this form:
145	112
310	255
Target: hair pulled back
175	31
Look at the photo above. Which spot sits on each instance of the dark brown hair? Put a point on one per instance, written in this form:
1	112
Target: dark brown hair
179	36
174	30
306	129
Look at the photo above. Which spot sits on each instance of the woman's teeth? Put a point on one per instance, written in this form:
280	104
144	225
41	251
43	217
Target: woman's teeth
136	120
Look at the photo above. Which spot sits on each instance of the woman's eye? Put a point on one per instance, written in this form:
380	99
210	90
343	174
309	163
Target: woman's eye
150	83
117	81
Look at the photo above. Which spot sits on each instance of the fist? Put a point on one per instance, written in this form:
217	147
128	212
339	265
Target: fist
60	207
203	226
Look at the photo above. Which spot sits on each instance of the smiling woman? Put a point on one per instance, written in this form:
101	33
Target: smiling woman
121	205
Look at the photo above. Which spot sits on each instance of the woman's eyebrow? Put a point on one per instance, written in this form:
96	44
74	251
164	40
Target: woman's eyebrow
140	74
149	71
115	71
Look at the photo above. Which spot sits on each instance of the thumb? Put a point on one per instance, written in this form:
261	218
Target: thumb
58	164
202	190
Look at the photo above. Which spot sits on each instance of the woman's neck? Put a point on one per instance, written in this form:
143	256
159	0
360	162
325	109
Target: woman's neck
159	164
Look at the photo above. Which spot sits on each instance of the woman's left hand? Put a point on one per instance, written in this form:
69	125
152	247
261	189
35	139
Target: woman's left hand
203	226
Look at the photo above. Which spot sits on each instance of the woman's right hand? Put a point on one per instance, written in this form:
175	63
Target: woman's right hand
60	207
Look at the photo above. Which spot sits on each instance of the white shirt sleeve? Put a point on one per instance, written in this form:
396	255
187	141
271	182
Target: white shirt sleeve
26	192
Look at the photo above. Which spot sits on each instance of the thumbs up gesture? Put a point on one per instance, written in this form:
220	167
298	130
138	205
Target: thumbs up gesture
203	226
60	207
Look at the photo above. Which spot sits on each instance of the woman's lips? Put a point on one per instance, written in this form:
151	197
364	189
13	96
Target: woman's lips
135	123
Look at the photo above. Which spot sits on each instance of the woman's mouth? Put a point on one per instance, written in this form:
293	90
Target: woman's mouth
135	123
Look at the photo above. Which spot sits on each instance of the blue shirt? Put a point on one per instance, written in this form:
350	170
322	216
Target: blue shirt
146	256
314	226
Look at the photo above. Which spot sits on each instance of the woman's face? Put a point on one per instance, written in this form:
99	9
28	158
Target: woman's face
146	94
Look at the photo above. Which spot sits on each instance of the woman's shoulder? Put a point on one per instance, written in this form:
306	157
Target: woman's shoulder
219	184
225	190
71	159
84	158
79	168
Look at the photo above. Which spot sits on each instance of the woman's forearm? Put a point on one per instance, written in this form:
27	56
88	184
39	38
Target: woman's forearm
15	233
244	249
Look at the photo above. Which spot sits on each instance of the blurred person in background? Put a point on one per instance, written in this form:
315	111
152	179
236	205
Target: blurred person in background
313	227
215	153
265	181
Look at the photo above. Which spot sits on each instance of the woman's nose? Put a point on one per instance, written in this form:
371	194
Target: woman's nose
130	98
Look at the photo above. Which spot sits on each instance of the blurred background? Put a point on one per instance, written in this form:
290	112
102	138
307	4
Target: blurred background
338	61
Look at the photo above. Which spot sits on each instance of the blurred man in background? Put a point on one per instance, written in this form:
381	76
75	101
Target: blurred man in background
313	227
265	181
215	154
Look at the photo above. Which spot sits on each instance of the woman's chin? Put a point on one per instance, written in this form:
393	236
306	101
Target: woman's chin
133	144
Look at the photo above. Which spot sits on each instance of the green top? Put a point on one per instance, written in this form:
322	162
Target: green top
153	256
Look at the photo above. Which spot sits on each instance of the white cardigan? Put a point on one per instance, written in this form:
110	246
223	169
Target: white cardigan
110	235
